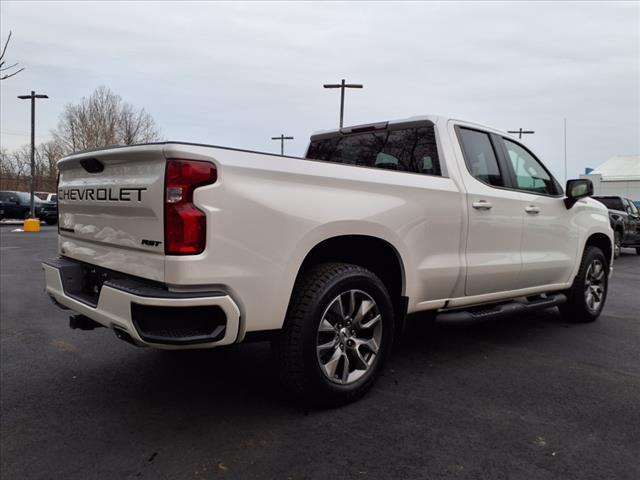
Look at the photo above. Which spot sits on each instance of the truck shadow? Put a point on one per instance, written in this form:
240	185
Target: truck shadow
243	377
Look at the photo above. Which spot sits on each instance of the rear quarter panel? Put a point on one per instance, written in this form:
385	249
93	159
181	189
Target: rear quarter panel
265	213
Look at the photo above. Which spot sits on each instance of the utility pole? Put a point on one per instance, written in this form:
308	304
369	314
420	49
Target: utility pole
565	150
33	97
282	138
521	132
342	87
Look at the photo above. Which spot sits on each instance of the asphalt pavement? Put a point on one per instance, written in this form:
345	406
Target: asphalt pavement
528	397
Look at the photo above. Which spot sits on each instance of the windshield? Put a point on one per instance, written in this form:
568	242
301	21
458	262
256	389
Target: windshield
25	197
612	203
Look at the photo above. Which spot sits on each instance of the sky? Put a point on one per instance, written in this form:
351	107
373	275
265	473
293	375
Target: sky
237	74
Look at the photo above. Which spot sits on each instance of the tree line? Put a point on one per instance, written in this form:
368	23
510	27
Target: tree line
99	120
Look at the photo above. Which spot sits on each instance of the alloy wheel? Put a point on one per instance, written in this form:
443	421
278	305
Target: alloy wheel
349	337
594	285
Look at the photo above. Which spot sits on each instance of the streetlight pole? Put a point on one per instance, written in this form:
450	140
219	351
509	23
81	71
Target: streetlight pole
282	138
33	97
520	132
565	150
342	87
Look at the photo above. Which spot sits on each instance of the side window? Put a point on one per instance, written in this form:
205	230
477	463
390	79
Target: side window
631	208
405	150
480	157
530	175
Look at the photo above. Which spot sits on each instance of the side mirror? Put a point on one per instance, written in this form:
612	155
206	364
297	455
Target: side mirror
577	189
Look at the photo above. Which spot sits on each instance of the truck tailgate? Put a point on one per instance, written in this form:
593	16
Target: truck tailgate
111	209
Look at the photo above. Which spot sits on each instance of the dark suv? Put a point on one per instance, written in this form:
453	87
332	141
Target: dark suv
17	205
625	221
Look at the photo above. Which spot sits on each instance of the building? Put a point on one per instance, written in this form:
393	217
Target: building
619	175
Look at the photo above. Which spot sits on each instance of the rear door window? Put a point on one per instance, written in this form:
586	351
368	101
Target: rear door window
405	150
480	157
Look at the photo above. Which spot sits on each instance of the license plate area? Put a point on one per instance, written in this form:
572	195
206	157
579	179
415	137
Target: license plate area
84	282
92	279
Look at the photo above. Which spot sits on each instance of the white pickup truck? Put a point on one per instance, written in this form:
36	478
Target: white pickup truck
176	246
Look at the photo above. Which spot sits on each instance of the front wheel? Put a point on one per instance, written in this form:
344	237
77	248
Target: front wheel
587	295
337	332
617	244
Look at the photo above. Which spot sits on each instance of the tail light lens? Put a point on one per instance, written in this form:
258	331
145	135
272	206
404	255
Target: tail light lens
184	224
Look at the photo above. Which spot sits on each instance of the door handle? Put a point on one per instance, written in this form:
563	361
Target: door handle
532	209
482	205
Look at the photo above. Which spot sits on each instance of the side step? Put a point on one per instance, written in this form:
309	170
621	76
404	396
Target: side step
500	310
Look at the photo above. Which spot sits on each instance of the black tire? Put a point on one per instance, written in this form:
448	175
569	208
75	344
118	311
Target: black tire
617	243
296	348
51	222
577	308
638	251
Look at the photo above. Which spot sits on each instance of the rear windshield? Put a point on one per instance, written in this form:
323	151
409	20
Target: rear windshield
612	203
405	150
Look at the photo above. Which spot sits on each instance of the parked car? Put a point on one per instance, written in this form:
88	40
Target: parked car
180	246
17	205
47	196
625	221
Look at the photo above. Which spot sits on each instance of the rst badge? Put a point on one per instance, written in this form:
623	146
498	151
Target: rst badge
151	243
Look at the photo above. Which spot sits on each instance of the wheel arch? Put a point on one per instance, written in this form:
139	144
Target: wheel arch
370	252
603	242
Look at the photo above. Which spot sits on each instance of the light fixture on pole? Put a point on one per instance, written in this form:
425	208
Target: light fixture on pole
342	86
282	138
521	132
33	97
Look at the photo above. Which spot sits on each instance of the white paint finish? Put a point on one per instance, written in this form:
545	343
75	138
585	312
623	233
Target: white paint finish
266	212
114	309
550	241
140	263
110	233
493	243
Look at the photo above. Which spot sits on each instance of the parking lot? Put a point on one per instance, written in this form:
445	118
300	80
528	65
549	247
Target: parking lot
526	397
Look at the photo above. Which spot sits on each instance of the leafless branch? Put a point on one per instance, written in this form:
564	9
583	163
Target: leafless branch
2	67
4	49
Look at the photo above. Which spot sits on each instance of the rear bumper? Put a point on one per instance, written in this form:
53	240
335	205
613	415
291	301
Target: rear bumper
151	315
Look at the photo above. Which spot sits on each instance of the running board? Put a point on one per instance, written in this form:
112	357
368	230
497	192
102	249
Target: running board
500	310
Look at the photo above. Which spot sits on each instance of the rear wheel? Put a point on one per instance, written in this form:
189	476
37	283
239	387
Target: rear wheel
338	330
587	295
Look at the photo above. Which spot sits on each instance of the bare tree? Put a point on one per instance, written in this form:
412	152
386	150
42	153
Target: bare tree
4	76
104	119
14	168
99	120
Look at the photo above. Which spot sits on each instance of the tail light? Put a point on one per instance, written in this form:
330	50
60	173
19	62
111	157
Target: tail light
184	224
